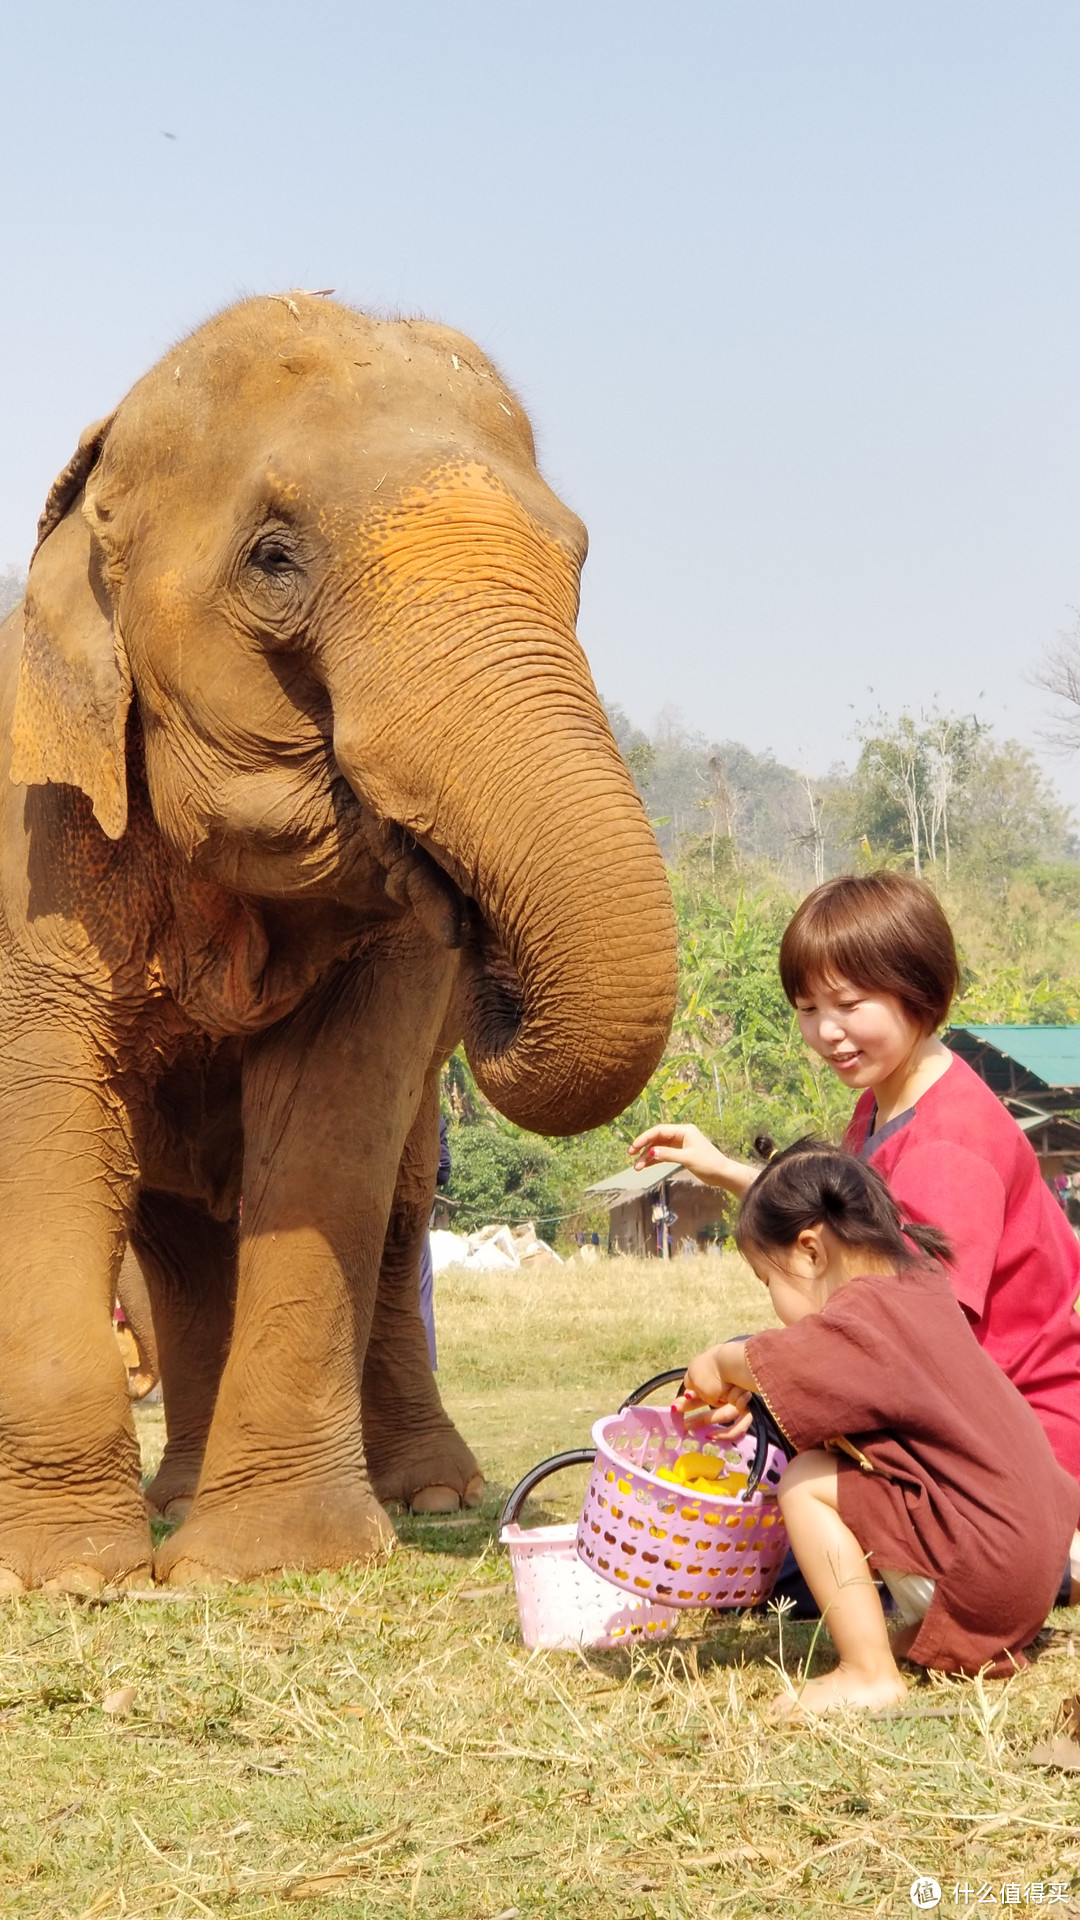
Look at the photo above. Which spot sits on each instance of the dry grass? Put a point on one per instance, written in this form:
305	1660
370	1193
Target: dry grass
383	1744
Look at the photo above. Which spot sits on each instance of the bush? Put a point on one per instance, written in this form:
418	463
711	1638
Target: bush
500	1175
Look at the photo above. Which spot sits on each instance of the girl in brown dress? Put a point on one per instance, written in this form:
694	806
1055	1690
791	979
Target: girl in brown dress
916	1459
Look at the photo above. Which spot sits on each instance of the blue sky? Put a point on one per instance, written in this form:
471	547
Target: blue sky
791	289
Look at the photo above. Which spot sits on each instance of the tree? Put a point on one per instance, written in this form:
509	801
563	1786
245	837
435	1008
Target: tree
498	1173
940	790
905	779
1007	817
12	588
814	838
1060	676
723	804
951	744
755	807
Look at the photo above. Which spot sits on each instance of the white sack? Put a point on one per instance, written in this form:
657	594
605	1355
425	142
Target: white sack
447	1249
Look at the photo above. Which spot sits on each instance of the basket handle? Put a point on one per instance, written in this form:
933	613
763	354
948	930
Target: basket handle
665	1379
766	1433
649	1386
764	1428
574	1457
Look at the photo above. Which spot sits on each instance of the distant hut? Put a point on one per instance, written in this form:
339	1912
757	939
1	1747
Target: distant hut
1035	1072
661	1210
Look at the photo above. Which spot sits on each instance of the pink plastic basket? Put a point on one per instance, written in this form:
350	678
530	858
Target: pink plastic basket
560	1602
664	1543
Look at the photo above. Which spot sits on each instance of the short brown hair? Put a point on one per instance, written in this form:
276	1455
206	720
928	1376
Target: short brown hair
885	932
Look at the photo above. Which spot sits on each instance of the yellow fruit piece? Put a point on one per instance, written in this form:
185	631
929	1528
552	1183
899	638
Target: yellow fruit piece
703	1473
691	1467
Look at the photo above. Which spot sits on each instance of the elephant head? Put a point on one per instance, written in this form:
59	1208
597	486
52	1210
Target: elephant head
317	549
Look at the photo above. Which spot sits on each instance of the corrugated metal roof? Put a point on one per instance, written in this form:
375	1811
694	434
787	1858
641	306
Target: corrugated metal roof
1050	1132
1050	1056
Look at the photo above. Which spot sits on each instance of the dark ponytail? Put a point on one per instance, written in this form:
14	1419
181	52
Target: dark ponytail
811	1185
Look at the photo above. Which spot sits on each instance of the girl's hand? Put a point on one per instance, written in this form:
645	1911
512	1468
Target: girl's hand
689	1147
731	1415
710	1398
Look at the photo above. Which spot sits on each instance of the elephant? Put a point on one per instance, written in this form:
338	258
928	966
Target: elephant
138	1344
308	782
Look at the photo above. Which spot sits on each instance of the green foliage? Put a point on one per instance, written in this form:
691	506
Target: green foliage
937	792
941	795
736	1064
499	1173
1020	945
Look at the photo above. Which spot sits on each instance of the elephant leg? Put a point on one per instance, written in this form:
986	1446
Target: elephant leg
71	1513
415	1455
132	1293
189	1263
330	1096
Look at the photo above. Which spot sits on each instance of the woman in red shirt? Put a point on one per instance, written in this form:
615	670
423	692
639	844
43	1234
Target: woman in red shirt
870	966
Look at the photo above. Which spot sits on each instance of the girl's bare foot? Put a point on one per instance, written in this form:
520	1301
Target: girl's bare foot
840	1688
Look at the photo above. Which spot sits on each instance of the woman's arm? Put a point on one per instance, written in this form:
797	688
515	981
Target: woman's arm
689	1147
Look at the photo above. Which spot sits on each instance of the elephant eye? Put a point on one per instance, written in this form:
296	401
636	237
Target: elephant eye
271	557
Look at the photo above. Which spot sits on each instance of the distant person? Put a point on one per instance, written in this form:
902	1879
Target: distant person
427	1272
913	1451
870	966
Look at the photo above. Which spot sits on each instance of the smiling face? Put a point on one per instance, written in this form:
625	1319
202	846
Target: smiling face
866	1037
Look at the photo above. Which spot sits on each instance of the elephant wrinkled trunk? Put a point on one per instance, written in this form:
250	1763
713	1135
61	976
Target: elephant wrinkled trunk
497	759
562	1027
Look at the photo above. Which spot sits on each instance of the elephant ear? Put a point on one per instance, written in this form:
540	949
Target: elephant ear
74	680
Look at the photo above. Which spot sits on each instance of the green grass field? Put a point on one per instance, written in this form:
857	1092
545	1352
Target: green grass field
381	1744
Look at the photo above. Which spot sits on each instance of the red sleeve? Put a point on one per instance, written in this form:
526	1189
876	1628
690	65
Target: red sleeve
859	1125
943	1185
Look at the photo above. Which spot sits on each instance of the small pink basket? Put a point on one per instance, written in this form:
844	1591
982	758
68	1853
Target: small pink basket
665	1543
560	1602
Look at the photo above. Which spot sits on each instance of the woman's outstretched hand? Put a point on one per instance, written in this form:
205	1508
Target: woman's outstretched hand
689	1146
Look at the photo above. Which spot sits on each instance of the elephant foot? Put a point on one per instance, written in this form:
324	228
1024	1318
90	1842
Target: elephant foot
307	1529
437	1499
83	1581
426	1469
171	1492
78	1560
174	1510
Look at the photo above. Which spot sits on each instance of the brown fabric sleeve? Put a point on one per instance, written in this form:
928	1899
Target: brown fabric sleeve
841	1371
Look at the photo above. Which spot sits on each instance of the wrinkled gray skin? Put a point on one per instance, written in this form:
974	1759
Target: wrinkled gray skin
307	780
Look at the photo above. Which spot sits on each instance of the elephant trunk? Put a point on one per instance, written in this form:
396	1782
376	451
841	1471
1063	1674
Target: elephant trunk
494	753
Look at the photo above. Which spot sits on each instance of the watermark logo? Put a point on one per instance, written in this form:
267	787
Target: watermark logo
925	1892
